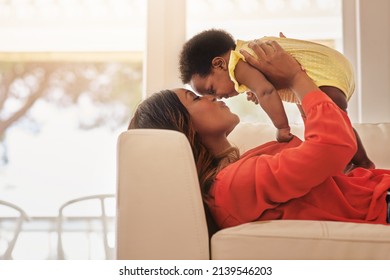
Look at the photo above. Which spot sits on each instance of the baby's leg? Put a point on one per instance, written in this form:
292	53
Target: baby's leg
360	159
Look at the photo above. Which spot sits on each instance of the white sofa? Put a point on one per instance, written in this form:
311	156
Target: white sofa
160	214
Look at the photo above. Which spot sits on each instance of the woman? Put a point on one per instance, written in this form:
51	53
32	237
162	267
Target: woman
294	180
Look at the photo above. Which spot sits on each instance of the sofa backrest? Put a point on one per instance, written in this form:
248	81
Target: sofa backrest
376	141
160	213
375	138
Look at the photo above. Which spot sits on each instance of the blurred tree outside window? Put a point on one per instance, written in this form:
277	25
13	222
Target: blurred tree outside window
70	77
102	92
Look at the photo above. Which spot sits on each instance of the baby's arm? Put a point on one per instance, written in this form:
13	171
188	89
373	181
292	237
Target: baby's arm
267	96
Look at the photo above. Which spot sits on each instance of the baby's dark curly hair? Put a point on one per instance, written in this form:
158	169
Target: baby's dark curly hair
198	52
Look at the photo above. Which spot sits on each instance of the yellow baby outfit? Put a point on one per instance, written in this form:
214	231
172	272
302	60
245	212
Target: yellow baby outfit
324	65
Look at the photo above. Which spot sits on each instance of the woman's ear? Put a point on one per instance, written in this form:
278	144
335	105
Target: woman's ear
219	63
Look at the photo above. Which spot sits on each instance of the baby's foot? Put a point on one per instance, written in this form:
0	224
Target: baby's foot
349	168
367	164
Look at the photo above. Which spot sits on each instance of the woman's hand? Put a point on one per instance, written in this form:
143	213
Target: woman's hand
279	67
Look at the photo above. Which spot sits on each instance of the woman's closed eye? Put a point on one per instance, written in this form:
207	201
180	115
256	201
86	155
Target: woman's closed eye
196	97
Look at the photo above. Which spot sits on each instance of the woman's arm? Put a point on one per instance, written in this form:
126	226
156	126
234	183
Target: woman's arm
272	174
261	181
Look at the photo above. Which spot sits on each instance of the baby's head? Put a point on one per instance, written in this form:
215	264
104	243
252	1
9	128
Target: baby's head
204	63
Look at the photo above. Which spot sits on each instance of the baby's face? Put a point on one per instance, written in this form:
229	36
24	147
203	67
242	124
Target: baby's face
217	83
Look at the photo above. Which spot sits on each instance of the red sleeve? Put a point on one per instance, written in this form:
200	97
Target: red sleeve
259	182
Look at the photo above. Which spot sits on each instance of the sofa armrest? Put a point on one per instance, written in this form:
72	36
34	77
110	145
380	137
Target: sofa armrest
160	213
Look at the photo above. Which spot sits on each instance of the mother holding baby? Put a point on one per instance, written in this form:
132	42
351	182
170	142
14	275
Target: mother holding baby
298	179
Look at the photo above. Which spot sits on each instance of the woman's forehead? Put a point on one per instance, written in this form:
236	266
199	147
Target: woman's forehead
184	93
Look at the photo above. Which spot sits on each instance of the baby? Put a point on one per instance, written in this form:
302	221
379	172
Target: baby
212	63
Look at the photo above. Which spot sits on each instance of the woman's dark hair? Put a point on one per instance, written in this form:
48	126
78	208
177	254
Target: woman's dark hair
198	52
164	110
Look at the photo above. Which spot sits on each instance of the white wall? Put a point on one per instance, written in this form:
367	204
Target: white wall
367	44
375	60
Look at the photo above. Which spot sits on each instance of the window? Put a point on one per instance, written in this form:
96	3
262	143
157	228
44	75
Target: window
70	72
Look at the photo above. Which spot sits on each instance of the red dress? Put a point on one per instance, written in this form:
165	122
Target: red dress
302	180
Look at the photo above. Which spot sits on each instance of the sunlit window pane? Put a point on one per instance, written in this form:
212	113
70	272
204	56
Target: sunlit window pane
72	25
70	76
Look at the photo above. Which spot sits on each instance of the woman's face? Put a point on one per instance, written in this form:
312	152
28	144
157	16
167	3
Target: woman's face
209	116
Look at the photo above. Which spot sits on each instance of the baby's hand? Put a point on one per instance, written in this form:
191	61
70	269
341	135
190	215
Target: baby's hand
250	96
284	135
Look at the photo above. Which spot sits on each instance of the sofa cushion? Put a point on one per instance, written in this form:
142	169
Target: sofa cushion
292	239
